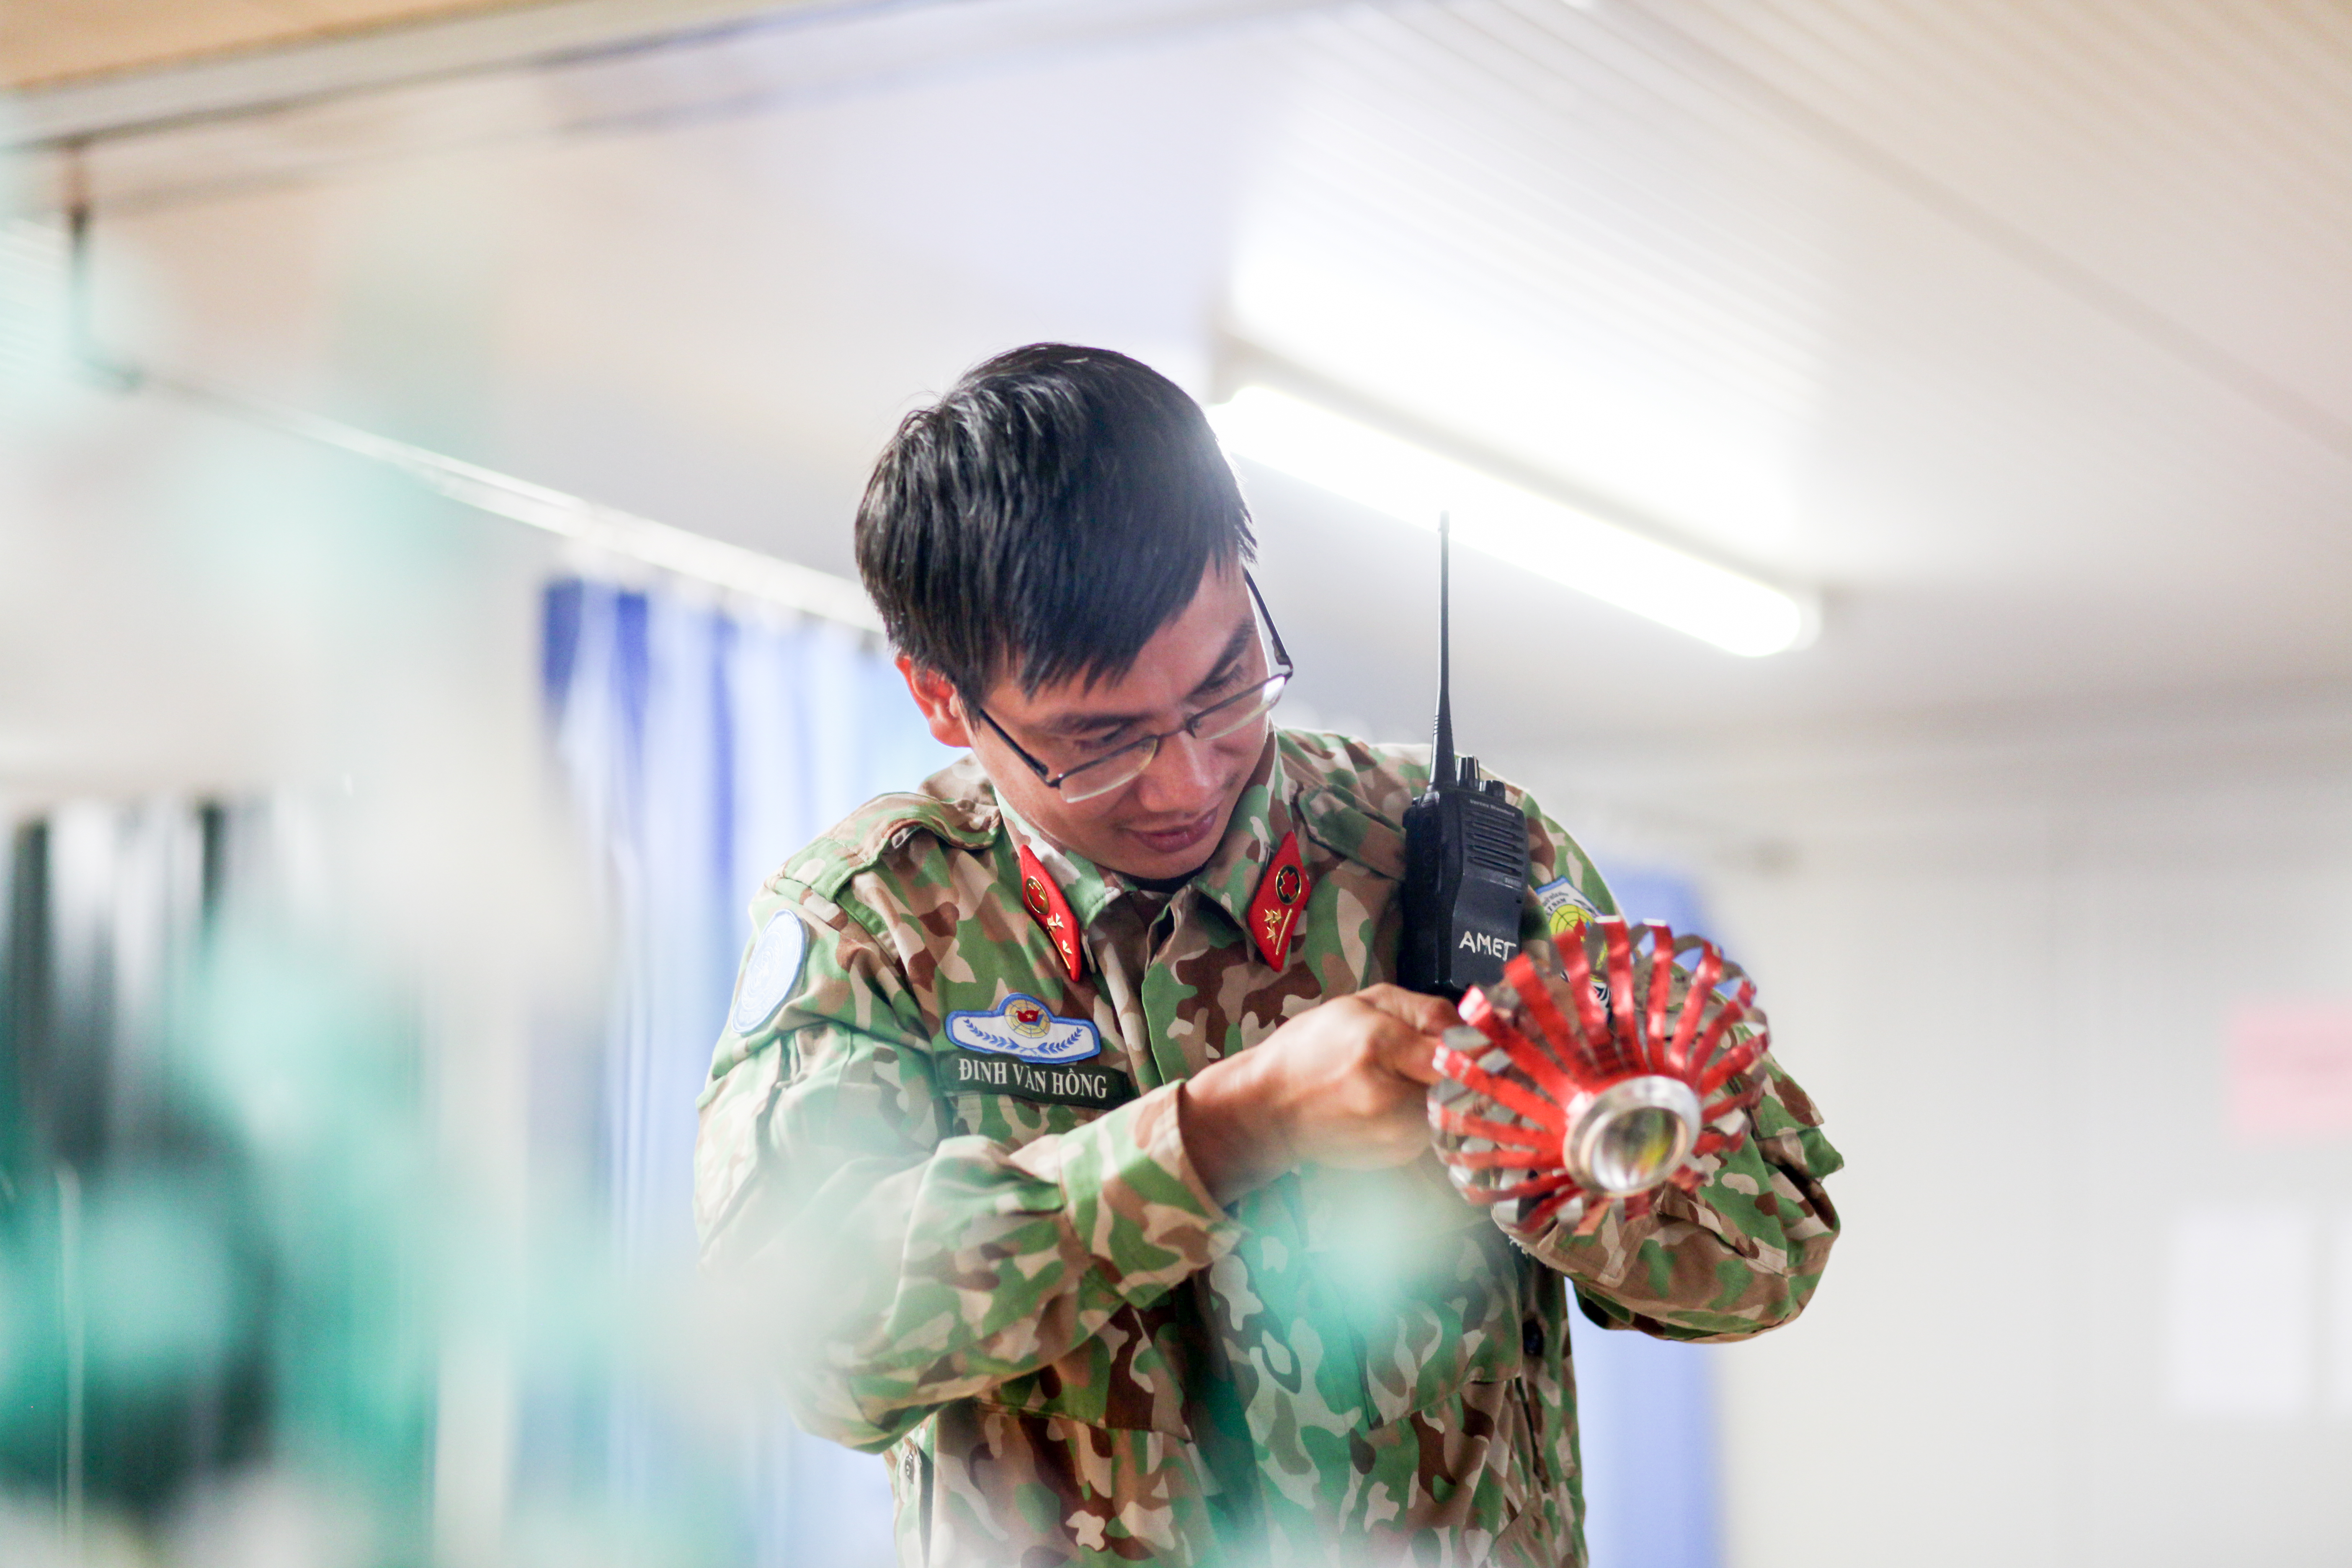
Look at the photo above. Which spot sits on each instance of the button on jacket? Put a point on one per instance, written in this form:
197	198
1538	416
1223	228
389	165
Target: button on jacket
951	1174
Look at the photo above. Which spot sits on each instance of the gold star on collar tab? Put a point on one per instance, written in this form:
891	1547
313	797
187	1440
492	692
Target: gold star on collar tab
1041	896
1281	896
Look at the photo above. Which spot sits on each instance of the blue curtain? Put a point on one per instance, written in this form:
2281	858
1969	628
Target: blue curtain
701	750
1647	1406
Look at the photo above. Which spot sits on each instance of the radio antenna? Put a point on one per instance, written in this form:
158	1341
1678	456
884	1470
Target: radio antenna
1466	847
1442	766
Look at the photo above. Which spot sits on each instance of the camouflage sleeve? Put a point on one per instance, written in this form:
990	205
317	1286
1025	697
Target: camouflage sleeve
897	1268
1744	1252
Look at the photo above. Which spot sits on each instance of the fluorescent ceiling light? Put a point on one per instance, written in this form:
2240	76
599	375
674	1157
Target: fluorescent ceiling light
1632	571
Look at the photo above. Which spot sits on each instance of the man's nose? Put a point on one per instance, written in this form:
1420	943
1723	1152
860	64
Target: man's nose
1181	775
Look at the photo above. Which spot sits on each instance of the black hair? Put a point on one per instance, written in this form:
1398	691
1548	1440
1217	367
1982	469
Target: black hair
1046	517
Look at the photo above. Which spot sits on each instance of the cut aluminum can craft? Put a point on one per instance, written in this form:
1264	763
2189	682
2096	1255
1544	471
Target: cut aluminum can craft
1583	1083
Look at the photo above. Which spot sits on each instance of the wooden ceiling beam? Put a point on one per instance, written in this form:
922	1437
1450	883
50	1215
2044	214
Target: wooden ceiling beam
85	73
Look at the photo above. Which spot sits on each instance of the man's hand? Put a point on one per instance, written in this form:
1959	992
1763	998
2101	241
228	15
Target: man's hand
1343	1084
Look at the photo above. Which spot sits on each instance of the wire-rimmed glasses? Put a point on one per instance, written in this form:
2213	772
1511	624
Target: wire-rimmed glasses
1114	770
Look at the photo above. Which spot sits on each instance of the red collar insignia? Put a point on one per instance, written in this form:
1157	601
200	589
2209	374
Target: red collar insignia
1041	896
1275	908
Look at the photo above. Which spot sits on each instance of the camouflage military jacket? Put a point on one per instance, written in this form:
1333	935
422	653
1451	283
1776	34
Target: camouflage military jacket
1006	1272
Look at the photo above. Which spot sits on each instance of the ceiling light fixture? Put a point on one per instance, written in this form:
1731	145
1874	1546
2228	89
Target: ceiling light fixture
1591	554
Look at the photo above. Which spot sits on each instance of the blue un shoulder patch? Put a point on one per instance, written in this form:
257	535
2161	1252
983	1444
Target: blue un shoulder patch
770	972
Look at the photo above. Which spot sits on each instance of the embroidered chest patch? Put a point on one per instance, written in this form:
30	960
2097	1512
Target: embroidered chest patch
1025	1029
1567	912
1565	909
1019	1048
1086	1084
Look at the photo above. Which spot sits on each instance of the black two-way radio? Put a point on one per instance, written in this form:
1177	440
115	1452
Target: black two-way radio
1465	848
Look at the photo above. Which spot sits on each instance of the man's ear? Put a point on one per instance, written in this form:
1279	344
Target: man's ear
935	695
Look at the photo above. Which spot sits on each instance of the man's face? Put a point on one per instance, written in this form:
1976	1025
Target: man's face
1168	820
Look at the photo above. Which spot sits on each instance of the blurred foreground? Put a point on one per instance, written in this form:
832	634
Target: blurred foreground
316	1251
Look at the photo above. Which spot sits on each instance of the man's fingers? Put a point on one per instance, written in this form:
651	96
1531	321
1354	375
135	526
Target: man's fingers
1426	1015
1406	1034
1405	1050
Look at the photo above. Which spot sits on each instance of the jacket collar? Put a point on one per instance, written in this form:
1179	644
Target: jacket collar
1229	880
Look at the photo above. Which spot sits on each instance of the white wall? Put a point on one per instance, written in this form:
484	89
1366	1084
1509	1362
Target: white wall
2003	963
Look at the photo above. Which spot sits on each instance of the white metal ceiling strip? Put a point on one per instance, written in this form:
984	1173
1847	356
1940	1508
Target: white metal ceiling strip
785	584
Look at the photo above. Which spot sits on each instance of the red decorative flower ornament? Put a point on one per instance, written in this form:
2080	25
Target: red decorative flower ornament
1592	1080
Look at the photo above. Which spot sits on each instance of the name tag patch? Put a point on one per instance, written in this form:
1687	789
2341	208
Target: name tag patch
1096	1087
1026	1029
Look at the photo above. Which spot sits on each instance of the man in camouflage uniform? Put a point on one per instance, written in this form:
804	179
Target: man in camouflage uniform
1067	1126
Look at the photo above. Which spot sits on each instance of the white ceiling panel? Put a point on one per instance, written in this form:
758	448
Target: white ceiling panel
2020	329
2025	323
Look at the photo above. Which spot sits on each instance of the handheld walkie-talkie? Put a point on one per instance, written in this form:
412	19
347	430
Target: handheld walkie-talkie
1466	849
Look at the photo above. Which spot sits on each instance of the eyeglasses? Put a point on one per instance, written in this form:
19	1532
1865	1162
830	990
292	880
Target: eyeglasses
1113	770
